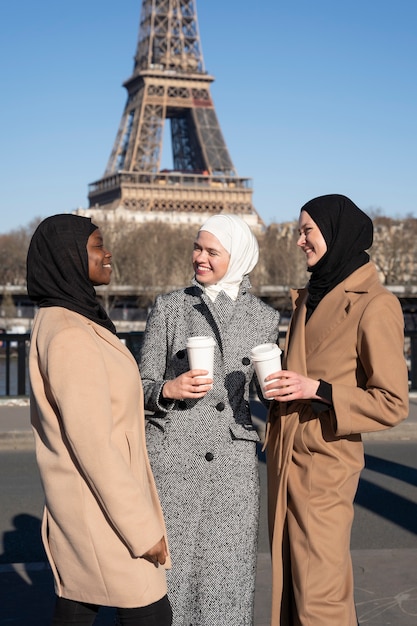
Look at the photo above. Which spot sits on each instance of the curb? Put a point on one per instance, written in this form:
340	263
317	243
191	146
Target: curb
14	440
19	401
406	431
24	440
17	440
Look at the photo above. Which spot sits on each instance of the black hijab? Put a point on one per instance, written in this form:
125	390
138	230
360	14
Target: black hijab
348	232
57	267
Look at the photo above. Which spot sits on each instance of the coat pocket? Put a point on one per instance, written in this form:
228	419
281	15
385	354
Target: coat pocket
137	458
245	432
155	437
45	540
152	423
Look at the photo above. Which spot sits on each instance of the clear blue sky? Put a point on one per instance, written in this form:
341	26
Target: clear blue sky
312	98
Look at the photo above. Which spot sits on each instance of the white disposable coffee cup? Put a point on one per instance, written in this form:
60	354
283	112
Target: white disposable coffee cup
201	354
266	359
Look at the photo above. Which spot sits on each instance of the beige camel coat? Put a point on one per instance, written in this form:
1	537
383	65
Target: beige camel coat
102	510
354	340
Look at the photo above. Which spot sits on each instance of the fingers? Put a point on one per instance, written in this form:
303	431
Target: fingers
191	384
279	393
197	384
201	382
157	560
199	377
291	386
157	555
277	375
280	386
152	559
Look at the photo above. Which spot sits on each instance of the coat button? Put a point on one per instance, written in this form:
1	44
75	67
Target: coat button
180	354
182	404
220	406
245	360
209	456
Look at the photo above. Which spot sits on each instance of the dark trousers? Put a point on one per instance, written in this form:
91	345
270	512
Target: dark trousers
82	614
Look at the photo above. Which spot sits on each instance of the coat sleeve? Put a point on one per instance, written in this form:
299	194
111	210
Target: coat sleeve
77	378
382	402
153	358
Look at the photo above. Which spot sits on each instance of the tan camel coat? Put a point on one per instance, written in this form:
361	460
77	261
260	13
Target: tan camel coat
355	341
102	510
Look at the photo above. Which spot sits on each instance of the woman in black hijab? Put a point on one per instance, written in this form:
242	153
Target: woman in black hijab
103	529
347	233
57	268
337	383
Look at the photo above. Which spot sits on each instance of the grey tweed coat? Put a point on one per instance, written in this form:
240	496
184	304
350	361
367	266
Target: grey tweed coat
203	452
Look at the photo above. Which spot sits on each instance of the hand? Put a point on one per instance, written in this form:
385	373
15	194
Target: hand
158	554
192	384
287	386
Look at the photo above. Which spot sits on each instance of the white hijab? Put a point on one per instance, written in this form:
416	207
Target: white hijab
237	238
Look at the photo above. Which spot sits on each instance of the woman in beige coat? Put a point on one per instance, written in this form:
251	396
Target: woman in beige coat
345	375
103	528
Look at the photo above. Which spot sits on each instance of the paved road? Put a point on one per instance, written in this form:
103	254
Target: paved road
384	539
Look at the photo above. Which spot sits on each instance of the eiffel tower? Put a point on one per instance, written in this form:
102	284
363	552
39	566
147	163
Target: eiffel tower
169	82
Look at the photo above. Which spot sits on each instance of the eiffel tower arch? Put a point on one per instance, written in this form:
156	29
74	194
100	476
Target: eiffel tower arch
169	83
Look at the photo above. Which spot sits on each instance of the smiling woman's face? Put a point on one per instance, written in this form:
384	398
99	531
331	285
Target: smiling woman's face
210	259
99	259
311	241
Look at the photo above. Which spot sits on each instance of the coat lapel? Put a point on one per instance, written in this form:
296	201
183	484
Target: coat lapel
220	315
295	359
326	319
334	309
200	303
113	340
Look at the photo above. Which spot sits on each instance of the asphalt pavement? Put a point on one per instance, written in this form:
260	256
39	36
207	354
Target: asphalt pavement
385	578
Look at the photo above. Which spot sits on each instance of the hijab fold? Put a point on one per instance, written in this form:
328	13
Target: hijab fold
238	240
57	267
348	232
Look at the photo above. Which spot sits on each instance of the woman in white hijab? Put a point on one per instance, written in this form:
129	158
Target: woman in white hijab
201	440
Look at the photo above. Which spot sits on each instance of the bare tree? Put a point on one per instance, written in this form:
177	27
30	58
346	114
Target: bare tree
157	256
152	255
281	262
13	252
394	250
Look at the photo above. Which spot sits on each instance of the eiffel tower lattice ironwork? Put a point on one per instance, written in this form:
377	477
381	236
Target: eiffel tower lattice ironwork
169	82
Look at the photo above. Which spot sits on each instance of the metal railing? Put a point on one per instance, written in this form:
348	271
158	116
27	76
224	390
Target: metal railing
13	364
14	348
169	177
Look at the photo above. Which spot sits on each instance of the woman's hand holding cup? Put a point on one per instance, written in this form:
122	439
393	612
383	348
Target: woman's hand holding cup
192	385
290	386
